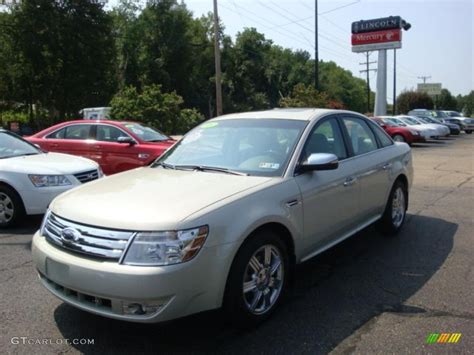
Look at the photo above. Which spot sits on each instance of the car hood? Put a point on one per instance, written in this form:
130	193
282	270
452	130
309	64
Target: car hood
48	163
149	198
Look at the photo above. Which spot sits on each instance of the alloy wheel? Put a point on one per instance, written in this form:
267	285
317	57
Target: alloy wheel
6	208
398	207
263	279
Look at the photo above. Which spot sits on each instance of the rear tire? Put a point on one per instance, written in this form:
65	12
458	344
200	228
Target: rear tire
11	207
468	131
258	280
395	211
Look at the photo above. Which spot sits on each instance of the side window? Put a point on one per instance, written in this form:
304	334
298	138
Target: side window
361	136
109	133
79	132
383	137
57	135
326	138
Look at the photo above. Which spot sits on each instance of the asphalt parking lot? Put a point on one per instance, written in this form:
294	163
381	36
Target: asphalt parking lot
370	294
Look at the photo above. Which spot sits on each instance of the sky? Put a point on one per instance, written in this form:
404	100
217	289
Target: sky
439	43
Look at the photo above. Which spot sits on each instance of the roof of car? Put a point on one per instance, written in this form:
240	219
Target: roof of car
301	114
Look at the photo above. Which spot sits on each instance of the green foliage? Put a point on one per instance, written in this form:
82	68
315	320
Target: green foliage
409	100
446	101
155	108
12	116
465	104
305	96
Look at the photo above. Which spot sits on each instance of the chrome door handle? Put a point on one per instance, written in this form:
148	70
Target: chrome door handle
350	181
387	166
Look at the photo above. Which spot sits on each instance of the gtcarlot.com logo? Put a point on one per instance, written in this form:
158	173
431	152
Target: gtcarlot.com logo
443	338
48	341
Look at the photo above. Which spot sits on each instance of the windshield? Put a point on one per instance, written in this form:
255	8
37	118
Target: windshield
411	120
14	146
454	114
146	133
431	120
259	147
439	114
398	122
387	122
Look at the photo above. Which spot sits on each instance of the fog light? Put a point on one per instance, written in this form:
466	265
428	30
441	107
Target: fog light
139	309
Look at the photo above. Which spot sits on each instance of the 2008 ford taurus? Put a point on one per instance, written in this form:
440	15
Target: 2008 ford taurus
221	217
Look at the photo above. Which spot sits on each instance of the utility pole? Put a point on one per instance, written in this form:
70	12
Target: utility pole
217	58
316	52
424	78
394	109
367	63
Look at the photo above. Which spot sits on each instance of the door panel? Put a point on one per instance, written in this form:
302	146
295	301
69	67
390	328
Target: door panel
330	198
372	168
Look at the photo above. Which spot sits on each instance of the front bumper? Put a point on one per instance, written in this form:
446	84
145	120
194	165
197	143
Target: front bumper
106	288
37	199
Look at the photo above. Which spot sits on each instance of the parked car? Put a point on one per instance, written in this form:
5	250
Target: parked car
31	178
429	116
116	146
435	130
221	218
398	133
441	116
465	123
427	119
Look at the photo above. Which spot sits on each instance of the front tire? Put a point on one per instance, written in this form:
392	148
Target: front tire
395	211
399	138
468	131
258	280
11	207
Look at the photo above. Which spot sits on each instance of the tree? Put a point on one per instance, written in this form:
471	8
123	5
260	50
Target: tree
304	96
155	108
409	100
465	104
446	101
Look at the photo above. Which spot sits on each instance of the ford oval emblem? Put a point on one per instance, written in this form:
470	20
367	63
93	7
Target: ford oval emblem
70	235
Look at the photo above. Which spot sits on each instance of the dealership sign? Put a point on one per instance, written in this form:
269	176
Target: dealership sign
432	89
382	33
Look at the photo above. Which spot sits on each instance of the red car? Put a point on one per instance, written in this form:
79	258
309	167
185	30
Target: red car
399	134
116	146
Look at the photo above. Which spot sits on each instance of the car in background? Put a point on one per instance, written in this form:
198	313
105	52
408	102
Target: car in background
30	178
442	130
397	132
116	145
429	116
466	123
222	218
441	116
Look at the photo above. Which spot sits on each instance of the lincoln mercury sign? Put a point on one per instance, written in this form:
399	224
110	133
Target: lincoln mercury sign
381	33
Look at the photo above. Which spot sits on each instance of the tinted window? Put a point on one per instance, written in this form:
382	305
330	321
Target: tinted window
58	134
77	132
361	136
146	133
326	138
109	133
383	137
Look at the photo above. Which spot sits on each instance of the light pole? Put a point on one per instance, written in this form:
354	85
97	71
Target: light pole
217	59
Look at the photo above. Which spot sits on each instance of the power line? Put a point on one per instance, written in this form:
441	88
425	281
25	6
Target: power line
339	7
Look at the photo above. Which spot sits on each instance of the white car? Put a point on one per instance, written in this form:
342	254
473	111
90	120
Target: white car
223	216
441	130
415	128
31	178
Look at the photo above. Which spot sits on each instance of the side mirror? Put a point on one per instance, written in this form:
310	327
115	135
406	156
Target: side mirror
319	161
126	140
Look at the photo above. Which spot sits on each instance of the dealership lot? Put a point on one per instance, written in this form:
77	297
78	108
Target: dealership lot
370	294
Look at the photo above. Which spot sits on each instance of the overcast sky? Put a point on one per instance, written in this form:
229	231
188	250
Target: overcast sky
439	44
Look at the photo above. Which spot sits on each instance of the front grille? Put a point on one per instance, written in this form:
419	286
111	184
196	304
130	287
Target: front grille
87	176
79	238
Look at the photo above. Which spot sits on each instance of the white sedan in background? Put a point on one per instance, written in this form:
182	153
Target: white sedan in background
441	131
31	178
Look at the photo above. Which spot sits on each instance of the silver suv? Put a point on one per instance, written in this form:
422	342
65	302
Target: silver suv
222	216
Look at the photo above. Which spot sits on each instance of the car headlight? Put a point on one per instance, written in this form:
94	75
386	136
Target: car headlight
415	133
49	180
100	172
165	248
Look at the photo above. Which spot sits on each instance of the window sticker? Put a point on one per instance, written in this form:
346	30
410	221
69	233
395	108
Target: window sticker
209	125
264	165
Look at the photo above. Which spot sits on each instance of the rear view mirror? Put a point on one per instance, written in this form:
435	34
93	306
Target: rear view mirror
319	161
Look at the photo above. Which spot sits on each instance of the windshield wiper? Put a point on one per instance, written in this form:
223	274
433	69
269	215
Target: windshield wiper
210	168
165	165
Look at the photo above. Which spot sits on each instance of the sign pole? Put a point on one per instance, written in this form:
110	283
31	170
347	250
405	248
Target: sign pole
394	110
381	94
